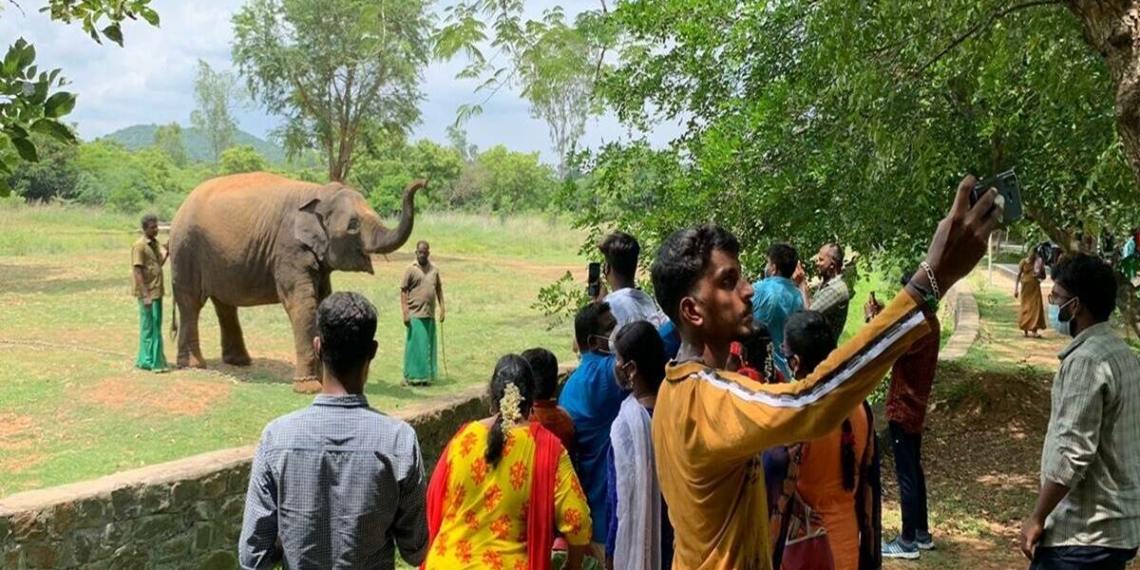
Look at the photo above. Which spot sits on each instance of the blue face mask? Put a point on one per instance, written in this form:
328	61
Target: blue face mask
1062	327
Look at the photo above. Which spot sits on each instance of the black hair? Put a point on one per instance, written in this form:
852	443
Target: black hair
682	259
148	219
810	338
785	258
639	342
588	322
756	350
1091	280
544	366
621	251
346	323
836	252
511	369
422	242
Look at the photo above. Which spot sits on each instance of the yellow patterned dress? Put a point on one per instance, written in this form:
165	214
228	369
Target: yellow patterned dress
485	508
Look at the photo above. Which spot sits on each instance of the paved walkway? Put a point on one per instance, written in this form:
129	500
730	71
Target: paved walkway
963	311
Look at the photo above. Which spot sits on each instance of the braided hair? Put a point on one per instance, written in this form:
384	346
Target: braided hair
512	392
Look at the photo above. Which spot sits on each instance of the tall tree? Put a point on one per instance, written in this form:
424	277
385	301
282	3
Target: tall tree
334	68
168	139
215	92
809	120
554	63
29	99
457	136
1112	28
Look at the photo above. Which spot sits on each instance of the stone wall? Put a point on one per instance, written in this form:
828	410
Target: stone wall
184	514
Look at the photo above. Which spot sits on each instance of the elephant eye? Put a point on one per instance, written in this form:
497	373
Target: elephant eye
353	225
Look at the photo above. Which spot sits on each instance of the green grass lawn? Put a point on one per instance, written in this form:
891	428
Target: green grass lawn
72	407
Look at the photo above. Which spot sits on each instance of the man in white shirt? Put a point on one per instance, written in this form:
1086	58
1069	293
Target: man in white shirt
627	303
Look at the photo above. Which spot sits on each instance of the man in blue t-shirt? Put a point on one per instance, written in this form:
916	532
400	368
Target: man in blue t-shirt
592	398
777	296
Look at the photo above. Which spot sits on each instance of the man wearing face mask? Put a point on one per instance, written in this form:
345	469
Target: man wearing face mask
420	292
593	399
1088	509
832	297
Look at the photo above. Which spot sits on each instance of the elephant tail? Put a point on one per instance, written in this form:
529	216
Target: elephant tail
173	313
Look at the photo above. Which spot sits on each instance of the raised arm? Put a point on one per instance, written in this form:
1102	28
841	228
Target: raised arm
749	417
746	417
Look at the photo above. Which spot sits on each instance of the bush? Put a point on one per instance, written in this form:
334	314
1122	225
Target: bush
239	159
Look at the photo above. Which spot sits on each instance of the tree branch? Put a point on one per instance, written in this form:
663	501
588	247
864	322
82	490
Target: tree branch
979	26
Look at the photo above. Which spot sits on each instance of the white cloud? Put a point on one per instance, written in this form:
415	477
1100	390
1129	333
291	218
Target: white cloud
150	80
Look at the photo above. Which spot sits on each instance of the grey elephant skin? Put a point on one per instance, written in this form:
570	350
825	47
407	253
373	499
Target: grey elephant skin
259	239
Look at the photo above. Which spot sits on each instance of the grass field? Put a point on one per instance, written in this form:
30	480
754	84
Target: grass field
72	406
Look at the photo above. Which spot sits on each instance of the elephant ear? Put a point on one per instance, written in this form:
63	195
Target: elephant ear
309	229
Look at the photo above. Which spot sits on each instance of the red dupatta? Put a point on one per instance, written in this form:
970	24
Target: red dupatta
540	513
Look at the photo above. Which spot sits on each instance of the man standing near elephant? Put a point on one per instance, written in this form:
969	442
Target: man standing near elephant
420	292
147	258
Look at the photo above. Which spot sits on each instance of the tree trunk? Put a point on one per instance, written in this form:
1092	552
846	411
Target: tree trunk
1112	27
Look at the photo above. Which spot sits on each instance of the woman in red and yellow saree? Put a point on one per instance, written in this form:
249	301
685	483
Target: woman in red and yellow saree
503	487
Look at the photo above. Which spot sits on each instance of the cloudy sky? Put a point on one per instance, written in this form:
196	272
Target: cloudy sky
151	79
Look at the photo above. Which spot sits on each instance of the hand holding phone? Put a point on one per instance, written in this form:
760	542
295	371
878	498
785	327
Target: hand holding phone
593	279
1009	195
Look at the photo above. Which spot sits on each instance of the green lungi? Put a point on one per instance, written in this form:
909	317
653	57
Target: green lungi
151	356
420	351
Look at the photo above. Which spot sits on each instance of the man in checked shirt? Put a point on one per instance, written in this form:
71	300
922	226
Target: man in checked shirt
1088	509
337	485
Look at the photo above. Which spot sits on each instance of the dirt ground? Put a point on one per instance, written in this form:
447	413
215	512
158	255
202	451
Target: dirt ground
981	450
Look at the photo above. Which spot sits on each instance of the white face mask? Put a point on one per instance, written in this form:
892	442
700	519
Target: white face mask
1062	327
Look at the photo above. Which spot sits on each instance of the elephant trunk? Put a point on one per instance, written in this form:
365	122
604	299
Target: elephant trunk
383	240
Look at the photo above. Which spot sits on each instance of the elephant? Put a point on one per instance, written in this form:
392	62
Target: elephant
258	239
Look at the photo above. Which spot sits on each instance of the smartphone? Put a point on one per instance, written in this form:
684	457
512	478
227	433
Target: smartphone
593	279
1009	194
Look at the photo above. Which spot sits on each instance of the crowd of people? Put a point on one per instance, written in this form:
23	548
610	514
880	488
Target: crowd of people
717	425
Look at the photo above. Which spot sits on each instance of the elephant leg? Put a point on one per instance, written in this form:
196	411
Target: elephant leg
233	344
301	305
189	347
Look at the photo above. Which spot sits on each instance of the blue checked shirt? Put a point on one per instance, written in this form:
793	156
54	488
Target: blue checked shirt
336	485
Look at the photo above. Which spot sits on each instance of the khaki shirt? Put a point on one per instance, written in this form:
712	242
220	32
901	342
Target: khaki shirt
1091	446
420	284
145	254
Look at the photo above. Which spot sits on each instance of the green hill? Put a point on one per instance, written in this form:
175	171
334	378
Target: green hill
197	145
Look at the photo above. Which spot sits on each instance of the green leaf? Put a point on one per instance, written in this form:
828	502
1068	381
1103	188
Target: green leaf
5	190
17	132
54	129
27	56
150	16
114	34
59	105
26	149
